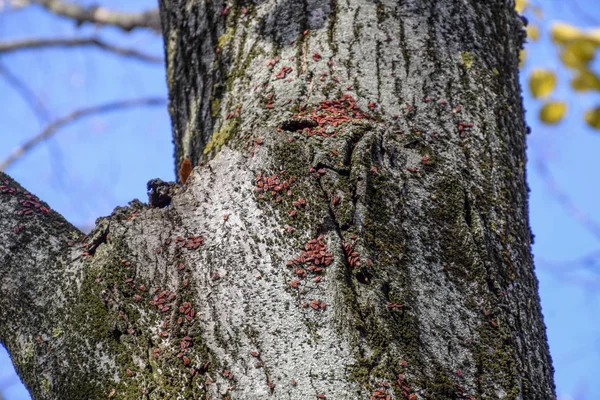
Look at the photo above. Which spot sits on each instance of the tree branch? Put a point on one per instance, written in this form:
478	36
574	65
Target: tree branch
563	198
23	44
52	127
103	16
26	93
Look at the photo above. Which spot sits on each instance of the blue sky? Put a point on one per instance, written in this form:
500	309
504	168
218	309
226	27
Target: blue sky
103	161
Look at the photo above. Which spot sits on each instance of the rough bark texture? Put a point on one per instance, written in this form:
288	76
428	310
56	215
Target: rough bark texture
358	226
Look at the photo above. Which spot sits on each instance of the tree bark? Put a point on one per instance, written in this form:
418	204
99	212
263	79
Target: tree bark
357	226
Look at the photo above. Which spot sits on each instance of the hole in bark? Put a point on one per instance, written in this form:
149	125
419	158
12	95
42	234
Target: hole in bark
117	334
361	331
363	277
293	125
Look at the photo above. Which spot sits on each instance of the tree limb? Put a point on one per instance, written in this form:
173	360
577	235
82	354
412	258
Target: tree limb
26	94
52	127
23	44
565	200
103	16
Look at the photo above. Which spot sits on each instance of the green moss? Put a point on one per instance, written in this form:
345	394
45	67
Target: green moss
171	50
215	107
225	38
494	357
219	138
46	386
467	59
28	350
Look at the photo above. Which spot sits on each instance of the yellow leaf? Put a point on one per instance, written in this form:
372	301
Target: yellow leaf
552	112
522	57
585	80
577	53
592	117
541	82
520	5
533	32
537	11
563	33
593	35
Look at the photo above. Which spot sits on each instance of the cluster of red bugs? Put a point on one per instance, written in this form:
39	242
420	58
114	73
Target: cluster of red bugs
259	363
462	128
272	61
283	72
273	185
87	253
406	390
6	188
394	305
235	114
30	205
185	345
317	172
313	259
351	256
18	228
141	288
380	394
188	312
331	113
300	203
228	374
161	300
190	243
315	304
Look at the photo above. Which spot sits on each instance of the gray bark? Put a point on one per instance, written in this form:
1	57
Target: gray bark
382	250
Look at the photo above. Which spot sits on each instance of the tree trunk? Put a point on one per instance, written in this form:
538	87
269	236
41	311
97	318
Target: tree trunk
357	227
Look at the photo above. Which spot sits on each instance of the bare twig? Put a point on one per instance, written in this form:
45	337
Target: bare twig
563	198
26	93
103	16
588	262
23	44
52	127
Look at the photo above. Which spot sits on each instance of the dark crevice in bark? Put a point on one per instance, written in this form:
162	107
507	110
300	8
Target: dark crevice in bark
468	211
332	26
295	124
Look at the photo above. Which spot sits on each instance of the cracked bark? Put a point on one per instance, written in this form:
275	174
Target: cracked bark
422	285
